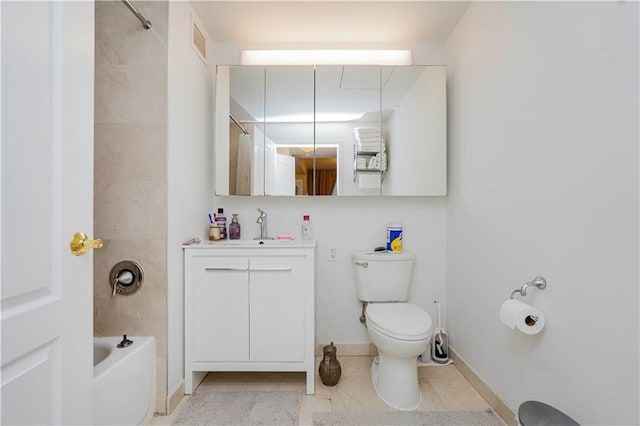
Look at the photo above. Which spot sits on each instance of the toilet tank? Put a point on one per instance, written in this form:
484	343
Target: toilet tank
382	276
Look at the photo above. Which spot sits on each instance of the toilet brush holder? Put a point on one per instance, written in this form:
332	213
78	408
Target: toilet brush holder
440	348
440	341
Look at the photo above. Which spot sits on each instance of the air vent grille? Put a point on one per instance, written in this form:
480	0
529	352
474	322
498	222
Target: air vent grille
199	42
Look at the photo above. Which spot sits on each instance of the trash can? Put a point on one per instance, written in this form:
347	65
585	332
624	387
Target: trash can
536	413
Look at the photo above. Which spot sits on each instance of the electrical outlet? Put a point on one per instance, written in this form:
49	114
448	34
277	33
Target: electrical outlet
333	254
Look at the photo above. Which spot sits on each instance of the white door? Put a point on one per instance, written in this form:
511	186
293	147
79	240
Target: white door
285	175
269	167
257	165
47	195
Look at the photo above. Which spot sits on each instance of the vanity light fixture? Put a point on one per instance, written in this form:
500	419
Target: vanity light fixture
326	57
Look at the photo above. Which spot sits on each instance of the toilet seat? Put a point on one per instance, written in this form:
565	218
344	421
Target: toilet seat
402	321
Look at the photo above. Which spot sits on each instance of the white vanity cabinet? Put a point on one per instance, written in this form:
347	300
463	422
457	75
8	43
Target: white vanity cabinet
249	307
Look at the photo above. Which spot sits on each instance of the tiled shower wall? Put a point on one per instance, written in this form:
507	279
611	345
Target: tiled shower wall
130	181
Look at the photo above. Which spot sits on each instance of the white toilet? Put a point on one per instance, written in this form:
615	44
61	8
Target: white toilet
401	331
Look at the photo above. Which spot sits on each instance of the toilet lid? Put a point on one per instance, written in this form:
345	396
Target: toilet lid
404	321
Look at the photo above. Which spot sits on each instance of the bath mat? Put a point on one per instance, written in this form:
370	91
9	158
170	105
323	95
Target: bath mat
239	408
430	418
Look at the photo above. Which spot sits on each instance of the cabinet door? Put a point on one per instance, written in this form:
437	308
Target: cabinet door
276	297
220	309
289	116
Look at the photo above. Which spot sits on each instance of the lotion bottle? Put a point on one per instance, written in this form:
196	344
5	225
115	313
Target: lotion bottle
306	227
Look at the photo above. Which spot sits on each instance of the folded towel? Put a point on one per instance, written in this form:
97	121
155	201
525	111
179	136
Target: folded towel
371	144
382	161
370	140
372	147
366	130
373	163
370	134
378	162
361	163
367	134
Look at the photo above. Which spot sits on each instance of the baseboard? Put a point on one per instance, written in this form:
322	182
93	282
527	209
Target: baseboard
350	349
175	398
499	406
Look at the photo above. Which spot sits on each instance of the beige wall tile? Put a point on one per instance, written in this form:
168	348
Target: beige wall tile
130	181
132	209
130	93
142	313
129	150
130	47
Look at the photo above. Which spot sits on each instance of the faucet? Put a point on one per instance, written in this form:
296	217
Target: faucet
262	220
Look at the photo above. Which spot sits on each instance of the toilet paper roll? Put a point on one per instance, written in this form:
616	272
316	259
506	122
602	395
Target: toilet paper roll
516	314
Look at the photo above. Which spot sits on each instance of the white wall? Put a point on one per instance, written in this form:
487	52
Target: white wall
543	110
348	224
190	173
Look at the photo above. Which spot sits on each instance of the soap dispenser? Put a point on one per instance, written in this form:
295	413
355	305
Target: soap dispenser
234	228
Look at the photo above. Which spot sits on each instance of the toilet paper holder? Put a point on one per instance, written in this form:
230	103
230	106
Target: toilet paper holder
539	282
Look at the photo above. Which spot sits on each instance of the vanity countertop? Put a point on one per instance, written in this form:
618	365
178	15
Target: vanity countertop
226	244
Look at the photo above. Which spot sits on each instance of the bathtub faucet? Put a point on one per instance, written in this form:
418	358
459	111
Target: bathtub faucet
125	342
124	277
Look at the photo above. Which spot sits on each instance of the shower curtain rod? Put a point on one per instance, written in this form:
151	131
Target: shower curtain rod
145	22
244	131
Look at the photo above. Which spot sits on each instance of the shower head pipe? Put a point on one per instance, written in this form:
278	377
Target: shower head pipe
145	22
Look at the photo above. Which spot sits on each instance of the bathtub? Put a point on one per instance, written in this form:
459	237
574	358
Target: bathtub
124	381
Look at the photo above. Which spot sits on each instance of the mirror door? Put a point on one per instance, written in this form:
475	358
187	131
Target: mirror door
348	117
239	130
289	130
413	102
331	130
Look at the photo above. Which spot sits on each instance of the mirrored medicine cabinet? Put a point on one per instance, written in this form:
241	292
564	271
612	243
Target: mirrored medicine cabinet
330	130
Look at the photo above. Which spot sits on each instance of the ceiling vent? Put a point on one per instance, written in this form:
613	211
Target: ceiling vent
198	41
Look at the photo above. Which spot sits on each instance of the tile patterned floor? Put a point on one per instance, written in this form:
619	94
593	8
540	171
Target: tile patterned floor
442	387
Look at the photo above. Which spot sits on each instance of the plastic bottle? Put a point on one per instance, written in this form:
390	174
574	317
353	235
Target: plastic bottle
234	228
306	227
221	221
394	237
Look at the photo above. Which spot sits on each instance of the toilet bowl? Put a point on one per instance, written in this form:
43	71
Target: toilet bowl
400	332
